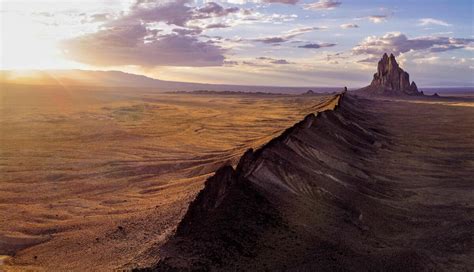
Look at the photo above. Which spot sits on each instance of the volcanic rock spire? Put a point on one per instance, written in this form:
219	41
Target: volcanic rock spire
390	79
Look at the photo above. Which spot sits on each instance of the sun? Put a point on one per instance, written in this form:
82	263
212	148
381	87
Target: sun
27	43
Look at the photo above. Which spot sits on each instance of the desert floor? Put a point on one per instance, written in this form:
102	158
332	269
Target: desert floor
97	179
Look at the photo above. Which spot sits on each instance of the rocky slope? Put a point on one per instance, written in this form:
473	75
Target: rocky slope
333	192
390	79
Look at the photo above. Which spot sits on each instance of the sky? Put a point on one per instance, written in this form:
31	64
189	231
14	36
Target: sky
247	42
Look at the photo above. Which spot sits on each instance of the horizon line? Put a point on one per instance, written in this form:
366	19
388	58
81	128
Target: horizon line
190	82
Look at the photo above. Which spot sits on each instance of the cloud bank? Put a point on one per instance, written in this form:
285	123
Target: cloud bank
133	39
397	43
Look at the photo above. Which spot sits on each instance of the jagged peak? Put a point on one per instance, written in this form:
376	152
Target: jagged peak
392	62
390	79
414	88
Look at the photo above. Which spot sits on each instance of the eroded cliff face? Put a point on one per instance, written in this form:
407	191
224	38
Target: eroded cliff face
330	193
390	79
303	201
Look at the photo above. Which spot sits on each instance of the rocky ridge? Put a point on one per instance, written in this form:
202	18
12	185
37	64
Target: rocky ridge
335	192
305	201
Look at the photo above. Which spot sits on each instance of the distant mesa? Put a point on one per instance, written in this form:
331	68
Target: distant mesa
311	92
390	80
214	92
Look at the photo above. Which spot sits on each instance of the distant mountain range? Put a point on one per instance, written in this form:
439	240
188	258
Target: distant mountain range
121	79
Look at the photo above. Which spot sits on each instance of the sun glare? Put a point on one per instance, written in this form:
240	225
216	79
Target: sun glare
23	48
28	42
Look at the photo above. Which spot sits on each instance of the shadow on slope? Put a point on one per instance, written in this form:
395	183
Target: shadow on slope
306	201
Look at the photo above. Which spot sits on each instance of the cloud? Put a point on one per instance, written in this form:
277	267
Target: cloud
264	58
431	21
396	43
332	58
376	19
274	61
272	39
171	12
177	12
216	25
280	61
133	37
370	60
288	2
286	36
187	31
302	30
242	2
316	45
212	9
230	63
100	17
137	45
251	63
250	16
43	13
346	26
323	5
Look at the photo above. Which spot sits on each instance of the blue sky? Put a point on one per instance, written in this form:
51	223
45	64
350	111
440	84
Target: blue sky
263	42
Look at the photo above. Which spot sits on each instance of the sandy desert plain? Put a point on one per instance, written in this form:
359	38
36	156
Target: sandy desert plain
98	179
103	175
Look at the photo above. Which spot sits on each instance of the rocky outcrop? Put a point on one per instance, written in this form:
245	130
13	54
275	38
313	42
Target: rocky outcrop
322	196
303	201
390	79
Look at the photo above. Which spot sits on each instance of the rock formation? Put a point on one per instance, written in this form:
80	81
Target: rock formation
390	79
297	202
321	197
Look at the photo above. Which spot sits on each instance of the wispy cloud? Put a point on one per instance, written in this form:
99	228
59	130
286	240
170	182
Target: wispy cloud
347	26
302	30
323	5
317	45
290	2
376	19
286	36
216	25
432	21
